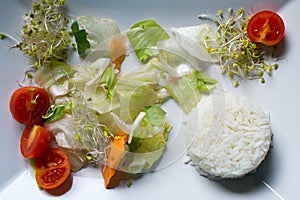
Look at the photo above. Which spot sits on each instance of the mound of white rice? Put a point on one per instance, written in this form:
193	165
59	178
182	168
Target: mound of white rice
232	138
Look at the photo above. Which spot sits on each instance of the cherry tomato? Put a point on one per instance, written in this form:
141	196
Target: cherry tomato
34	141
266	27
29	104
52	168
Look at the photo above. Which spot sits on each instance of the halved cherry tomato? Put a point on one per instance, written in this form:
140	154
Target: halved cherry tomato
52	168
29	104
34	141
266	27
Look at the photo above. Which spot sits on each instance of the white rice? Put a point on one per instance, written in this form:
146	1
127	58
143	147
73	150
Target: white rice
232	138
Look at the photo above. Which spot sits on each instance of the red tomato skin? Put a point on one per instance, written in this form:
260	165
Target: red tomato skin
34	141
266	27
52	168
29	104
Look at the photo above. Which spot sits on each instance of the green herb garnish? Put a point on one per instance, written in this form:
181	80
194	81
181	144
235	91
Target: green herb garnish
80	38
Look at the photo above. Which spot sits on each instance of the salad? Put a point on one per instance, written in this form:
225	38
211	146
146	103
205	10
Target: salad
96	111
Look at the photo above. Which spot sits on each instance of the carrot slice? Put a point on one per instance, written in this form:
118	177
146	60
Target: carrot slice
118	50
109	172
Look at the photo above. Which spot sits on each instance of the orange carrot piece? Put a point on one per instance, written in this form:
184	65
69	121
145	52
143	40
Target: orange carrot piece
115	154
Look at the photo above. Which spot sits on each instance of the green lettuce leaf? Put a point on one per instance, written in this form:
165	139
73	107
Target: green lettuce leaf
184	92
148	142
109	82
138	89
143	36
203	81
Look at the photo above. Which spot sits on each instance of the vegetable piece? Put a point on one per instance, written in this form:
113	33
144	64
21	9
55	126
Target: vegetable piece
34	141
29	104
239	57
266	27
2	36
44	33
64	132
184	91
46	76
80	38
143	36
77	157
98	29
114	156
109	82
57	112
149	140
203	82
52	168
118	50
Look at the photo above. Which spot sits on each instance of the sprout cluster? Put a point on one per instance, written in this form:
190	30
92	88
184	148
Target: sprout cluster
239	57
44	33
94	136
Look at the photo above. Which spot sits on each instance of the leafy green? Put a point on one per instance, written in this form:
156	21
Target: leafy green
109	82
154	115
96	83
80	38
46	76
202	81
138	89
99	29
145	145
143	36
57	112
184	92
148	142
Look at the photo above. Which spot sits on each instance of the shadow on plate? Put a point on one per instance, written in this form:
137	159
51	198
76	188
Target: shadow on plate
251	181
62	189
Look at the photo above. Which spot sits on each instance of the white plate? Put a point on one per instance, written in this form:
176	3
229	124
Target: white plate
278	176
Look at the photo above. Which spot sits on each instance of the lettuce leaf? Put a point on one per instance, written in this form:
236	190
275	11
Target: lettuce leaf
138	89
144	36
148	142
47	76
192	40
184	92
98	29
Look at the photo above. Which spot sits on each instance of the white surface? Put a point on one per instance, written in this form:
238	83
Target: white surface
280	96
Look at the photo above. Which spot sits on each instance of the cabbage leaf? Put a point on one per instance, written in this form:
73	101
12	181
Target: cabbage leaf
144	36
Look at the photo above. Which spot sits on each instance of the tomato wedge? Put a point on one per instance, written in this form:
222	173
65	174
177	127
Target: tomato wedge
34	141
29	104
52	168
266	27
